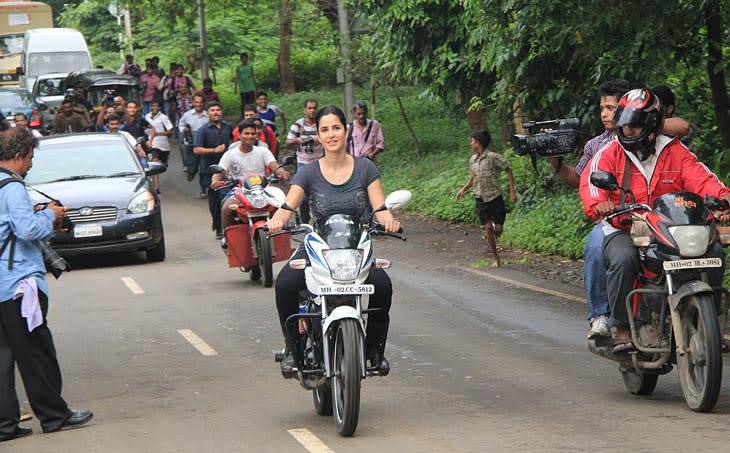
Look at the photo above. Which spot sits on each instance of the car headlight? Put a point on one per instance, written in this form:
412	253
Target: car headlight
344	264
692	240
257	200
144	202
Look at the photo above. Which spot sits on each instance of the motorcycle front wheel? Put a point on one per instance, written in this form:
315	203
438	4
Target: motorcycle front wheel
265	262
700	369
346	379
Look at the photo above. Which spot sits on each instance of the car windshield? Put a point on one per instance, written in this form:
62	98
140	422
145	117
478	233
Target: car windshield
46	62
82	159
49	87
11	44
11	101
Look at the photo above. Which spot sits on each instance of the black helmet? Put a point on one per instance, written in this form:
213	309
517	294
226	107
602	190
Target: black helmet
639	108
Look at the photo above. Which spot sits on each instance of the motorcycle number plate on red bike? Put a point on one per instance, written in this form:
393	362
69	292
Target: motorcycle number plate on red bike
335	290
692	264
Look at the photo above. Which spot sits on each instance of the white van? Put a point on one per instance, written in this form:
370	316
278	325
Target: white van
47	50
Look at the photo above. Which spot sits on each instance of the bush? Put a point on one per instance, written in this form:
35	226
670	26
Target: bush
311	69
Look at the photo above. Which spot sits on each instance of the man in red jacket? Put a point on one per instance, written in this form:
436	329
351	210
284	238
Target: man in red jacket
657	164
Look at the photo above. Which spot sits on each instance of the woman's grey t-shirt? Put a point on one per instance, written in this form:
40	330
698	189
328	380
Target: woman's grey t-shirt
326	199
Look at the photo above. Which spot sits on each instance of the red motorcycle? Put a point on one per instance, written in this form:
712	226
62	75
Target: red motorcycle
247	245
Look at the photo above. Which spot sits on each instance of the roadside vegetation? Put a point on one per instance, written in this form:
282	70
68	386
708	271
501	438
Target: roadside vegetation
456	65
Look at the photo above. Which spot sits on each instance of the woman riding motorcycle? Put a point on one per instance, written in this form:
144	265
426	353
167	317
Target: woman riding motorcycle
338	183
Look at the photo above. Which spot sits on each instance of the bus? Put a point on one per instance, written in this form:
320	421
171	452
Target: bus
16	17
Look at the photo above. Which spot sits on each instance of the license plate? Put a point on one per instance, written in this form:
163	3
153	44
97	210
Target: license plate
87	231
692	264
335	290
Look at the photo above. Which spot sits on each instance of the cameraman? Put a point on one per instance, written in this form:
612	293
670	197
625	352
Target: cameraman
303	135
24	334
594	270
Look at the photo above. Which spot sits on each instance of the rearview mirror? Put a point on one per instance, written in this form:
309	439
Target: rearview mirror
289	160
216	169
604	180
398	199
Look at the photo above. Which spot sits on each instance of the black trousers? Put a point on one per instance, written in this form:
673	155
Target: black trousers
36	358
290	281
214	201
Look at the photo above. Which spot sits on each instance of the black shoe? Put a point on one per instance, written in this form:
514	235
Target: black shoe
19	431
380	365
190	177
76	419
288	366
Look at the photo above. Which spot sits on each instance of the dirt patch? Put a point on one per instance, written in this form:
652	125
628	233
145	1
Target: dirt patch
461	244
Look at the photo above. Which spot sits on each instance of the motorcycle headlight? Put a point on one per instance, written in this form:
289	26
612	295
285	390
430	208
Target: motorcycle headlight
692	240
144	202
344	264
257	200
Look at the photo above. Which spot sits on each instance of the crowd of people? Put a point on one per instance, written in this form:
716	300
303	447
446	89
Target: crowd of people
336	172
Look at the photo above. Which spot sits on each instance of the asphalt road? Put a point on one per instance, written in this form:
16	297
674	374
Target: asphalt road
477	364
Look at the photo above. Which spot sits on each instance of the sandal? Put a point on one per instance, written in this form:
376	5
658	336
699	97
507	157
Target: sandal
622	345
622	341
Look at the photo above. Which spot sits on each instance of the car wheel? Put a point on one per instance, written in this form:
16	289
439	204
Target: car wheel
157	253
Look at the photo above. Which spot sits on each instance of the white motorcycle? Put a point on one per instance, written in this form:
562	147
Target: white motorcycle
331	324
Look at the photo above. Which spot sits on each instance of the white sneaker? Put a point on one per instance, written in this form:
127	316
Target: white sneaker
599	328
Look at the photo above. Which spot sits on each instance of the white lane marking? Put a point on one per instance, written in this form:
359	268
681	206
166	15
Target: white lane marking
132	285
197	342
310	441
526	285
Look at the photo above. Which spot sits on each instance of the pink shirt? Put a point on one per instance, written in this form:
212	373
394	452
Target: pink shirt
152	82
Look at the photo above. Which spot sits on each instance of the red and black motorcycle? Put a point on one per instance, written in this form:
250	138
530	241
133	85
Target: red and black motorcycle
675	315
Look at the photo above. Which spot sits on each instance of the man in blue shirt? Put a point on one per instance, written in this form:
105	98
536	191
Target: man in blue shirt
24	334
211	141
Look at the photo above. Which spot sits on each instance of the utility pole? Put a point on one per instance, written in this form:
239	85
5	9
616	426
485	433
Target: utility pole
347	95
203	41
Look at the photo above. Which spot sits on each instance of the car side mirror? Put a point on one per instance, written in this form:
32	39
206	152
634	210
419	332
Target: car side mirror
604	180
19	71
155	168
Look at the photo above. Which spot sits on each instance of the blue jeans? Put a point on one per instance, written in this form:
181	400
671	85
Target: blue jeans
594	274
146	108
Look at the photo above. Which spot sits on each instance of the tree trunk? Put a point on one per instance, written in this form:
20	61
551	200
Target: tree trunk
406	121
284	58
715	71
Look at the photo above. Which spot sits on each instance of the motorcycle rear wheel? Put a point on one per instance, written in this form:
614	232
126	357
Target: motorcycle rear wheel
639	384
700	369
347	378
322	397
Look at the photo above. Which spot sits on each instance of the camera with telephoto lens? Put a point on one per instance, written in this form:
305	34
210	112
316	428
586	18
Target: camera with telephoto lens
55	264
558	140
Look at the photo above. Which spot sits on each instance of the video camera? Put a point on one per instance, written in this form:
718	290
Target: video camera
553	142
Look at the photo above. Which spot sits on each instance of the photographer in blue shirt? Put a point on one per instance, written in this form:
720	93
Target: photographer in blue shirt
24	334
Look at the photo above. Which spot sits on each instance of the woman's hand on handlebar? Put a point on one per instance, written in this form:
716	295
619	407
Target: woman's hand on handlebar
277	222
391	226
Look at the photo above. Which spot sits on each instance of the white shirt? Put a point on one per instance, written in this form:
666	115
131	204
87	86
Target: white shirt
161	123
240	164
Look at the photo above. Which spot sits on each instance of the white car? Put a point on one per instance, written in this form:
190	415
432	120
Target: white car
47	89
